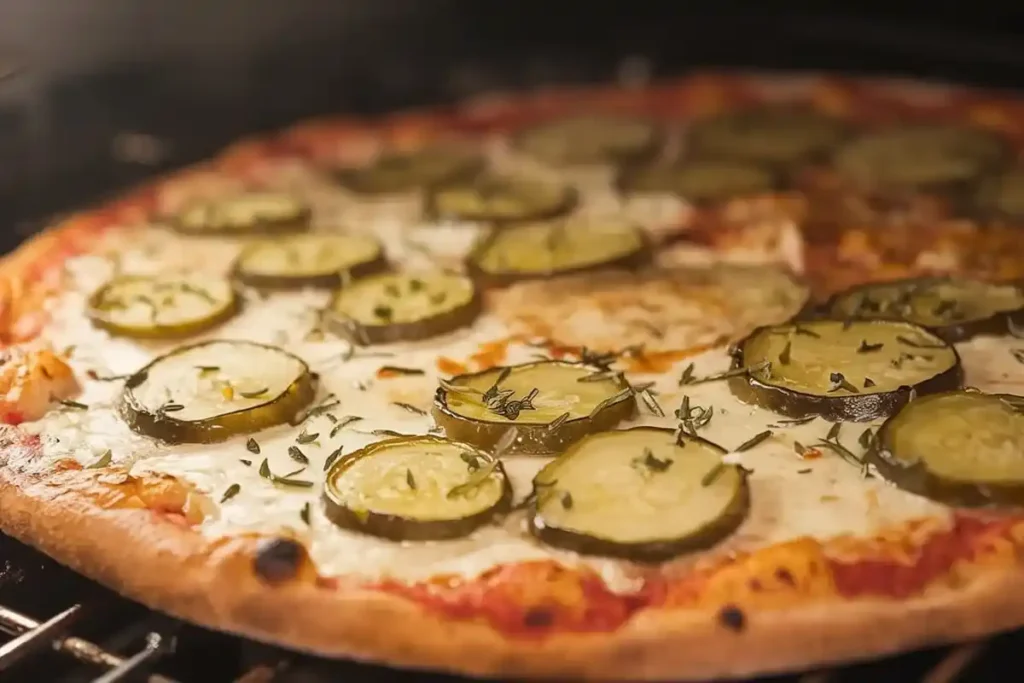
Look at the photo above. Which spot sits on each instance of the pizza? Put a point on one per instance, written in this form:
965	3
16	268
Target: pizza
716	377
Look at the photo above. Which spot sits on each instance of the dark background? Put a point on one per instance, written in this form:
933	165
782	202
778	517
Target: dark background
87	77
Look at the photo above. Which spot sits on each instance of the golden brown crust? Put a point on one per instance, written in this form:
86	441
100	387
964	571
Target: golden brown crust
212	583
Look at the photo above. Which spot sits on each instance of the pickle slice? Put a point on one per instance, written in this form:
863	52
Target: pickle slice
952	308
706	181
419	488
209	392
162	306
400	172
557	247
919	157
959	447
550	403
403	307
589	140
842	370
500	199
639	494
249	213
314	260
771	135
1002	196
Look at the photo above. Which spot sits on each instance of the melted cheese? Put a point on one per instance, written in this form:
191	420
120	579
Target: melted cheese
791	496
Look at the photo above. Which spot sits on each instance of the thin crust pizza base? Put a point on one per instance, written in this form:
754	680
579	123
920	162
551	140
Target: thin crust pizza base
176	570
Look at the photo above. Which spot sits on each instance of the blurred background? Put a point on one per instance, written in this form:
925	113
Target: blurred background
95	94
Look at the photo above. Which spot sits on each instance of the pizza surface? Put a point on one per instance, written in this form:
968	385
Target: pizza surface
713	378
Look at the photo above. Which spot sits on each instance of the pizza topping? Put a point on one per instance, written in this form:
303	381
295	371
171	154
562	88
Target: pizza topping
253	212
403	307
919	156
954	309
706	181
960	448
827	373
534	397
253	387
416	488
557	247
162	306
589	140
1002	195
775	136
500	199
320	260
640	494
400	172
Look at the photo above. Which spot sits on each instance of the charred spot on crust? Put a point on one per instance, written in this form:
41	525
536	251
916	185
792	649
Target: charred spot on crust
278	559
538	617
732	618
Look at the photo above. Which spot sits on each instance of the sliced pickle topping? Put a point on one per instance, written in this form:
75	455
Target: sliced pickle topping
702	181
500	199
960	448
955	309
162	306
589	140
842	370
209	392
921	156
640	494
400	172
557	247
252	212
312	260
416	489
770	135
550	403
1002	195
404	307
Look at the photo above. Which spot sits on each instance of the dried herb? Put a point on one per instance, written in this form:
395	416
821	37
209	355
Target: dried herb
230	493
297	455
712	474
410	408
567	501
804	471
841	451
342	423
838	381
806	332
286	480
786	354
247	463
868	382
797	420
304	438
74	405
763	366
102	461
383	312
651	403
651	463
1018	355
502	404
476	478
387	432
687	376
252	446
865	347
800	449
409	479
332	458
399	370
304	514
754	441
557	422
867	437
833	432
600	376
472	460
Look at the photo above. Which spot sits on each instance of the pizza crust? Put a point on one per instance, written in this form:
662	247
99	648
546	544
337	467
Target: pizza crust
213	584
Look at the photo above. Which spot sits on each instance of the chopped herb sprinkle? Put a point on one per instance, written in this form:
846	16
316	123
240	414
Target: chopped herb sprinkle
755	440
230	493
252	446
297	455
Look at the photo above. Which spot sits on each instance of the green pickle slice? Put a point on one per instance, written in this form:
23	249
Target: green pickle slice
842	370
550	403
416	488
244	214
589	140
777	136
168	306
212	391
702	181
401	172
491	198
311	260
959	447
640	494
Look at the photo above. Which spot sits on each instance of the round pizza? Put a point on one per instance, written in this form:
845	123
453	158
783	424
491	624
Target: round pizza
717	377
